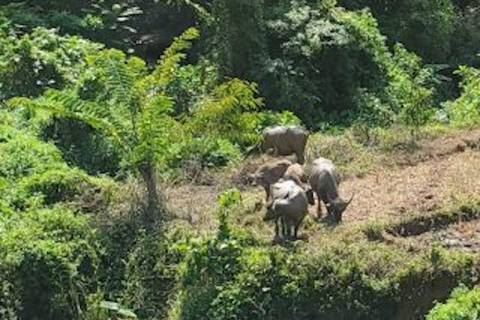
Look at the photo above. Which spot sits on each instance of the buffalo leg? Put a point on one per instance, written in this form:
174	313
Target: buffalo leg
319	205
277	227
300	157
295	232
319	209
290	225
285	229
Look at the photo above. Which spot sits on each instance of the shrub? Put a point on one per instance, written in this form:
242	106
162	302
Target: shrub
208	152
83	146
190	85
232	279
424	26
230	112
148	277
464	304
106	21
66	185
464	111
151	274
48	261
23	155
329	57
32	172
43	59
270	118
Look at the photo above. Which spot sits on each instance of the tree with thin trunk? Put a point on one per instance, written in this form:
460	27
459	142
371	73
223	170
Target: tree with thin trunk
122	100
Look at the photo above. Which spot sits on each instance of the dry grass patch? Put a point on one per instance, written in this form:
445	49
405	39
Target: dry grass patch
422	188
440	173
350	157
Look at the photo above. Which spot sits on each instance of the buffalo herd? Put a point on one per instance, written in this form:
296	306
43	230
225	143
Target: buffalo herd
290	187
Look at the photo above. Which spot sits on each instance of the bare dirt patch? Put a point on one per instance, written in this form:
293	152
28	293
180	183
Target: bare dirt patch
439	172
442	146
423	188
195	204
462	235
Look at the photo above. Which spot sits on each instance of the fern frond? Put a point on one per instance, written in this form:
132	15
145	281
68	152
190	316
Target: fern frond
169	62
58	109
113	66
199	9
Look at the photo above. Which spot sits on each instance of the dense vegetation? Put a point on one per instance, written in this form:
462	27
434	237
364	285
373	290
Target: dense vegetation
105	103
462	305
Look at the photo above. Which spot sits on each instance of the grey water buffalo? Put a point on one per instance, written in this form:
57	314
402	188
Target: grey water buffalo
324	180
288	205
286	140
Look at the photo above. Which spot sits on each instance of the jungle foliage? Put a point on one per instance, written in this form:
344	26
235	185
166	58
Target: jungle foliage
103	101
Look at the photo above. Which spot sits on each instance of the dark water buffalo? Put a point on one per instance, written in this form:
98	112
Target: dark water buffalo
286	140
324	180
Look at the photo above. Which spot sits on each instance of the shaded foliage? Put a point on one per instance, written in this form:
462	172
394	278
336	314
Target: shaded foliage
83	108
463	304
48	263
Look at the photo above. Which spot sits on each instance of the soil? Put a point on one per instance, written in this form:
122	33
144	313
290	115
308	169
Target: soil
437	173
434	175
462	235
422	188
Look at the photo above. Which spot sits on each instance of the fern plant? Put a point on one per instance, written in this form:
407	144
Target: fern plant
118	97
229	112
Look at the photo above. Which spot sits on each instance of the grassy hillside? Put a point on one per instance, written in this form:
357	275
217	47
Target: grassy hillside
129	130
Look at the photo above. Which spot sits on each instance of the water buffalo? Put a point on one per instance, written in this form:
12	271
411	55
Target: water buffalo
296	173
288	205
324	180
286	140
269	173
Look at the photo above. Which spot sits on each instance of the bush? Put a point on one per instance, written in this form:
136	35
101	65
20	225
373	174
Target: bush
48	262
208	152
66	185
82	146
229	112
323	58
32	172
43	59
464	304
190	84
148	277
465	111
23	155
232	275
424	26
269	118
151	274
104	21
